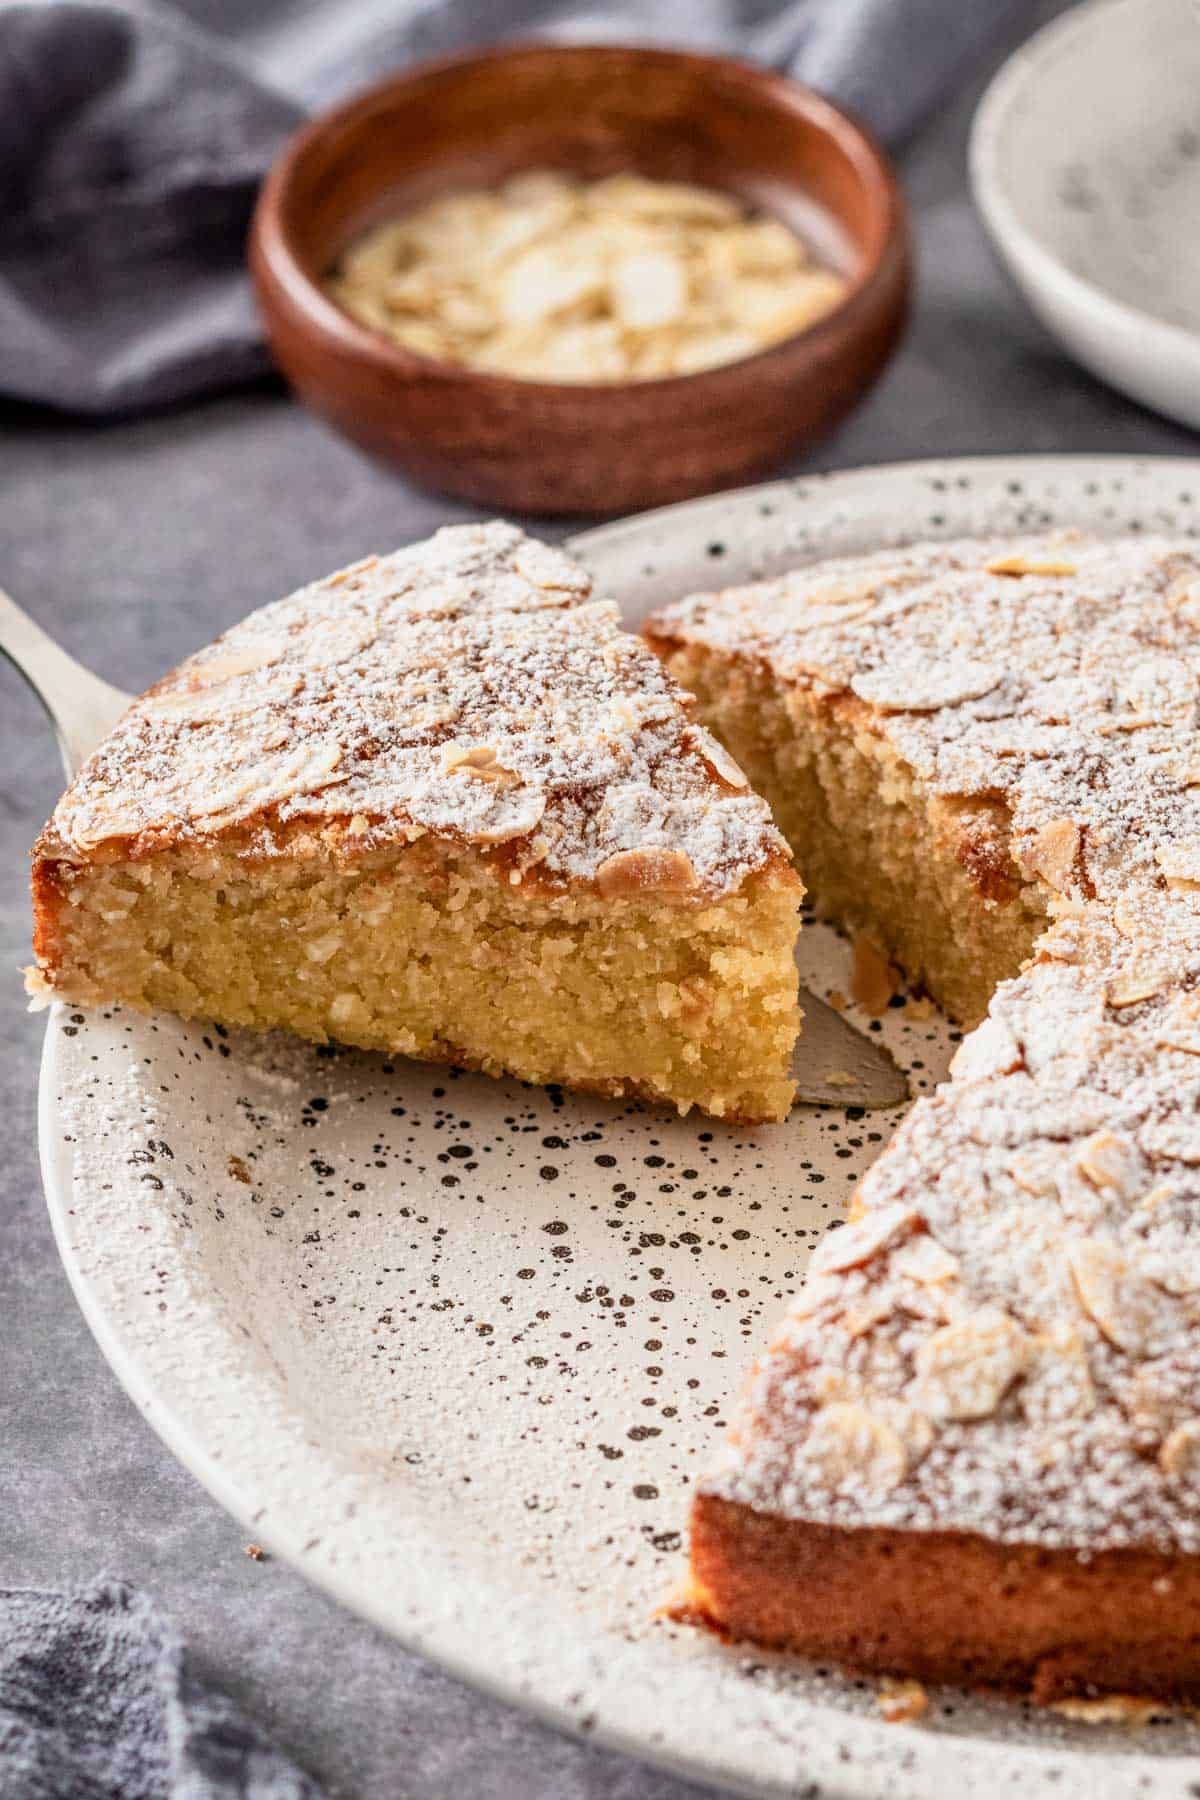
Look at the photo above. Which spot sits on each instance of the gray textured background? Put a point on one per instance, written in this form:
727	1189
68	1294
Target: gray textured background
133	544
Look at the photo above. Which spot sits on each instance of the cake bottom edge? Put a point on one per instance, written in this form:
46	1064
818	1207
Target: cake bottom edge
950	1607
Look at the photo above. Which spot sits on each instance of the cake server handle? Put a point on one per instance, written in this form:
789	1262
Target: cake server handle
82	708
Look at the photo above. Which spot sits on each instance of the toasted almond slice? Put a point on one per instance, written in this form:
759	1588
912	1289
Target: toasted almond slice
965	1369
849	1447
269	781
1055	853
649	870
1022	565
1132	985
1179	861
1109	1159
1179	1455
851	1245
923	1259
1129	1310
718	758
937	685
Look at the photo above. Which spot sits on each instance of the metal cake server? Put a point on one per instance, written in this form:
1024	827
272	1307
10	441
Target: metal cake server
834	1065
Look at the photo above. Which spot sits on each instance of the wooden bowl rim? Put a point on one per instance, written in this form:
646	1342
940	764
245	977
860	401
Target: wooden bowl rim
271	247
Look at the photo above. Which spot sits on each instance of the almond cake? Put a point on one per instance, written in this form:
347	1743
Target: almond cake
439	804
972	1451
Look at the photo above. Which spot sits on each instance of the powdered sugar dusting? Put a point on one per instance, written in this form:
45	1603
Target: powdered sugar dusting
467	687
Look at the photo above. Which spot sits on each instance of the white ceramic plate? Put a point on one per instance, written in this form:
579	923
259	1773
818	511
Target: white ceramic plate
459	1347
1085	163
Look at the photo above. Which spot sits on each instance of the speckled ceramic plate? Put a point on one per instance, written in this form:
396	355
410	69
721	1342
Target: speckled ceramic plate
458	1348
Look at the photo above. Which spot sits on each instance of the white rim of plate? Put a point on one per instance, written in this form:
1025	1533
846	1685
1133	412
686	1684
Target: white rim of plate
902	1763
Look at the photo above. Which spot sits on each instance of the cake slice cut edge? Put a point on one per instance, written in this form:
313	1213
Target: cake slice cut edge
438	805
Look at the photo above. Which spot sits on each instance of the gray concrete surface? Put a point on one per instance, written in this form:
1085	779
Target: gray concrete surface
137	542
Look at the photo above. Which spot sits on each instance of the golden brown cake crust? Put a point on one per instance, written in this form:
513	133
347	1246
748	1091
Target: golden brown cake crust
993	1373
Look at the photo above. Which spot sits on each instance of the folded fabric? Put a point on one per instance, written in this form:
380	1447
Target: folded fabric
132	146
96	1703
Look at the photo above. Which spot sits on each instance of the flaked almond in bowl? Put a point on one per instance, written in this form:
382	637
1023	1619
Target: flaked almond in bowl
550	278
582	279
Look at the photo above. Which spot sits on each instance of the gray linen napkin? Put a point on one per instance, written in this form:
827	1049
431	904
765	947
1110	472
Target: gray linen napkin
131	147
96	1703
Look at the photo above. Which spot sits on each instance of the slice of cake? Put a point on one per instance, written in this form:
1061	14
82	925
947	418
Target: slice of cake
972	1452
439	804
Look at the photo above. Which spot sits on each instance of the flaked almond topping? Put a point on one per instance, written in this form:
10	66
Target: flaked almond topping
837	592
1035	1173
1128	1309
1179	861
930	689
854	1244
478	763
650	870
512	814
718	758
965	1369
1108	1159
1179	1454
1158	1196
466	756
923	1259
1138	982
849	1447
88	824
989	1050
549	568
1055	853
305	770
1023	565
225	665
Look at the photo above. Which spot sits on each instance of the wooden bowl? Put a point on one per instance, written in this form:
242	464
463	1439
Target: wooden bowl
597	448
